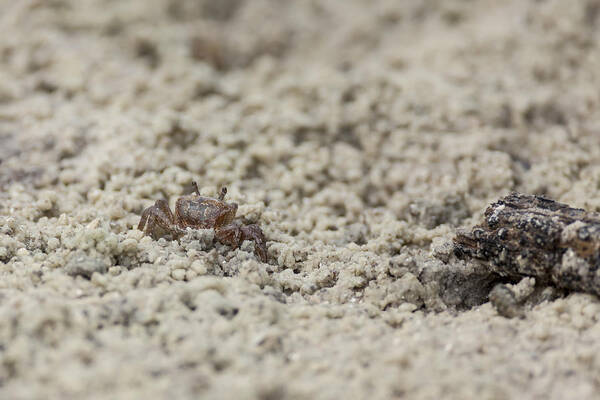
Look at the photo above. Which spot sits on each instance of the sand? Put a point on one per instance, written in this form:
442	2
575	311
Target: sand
359	135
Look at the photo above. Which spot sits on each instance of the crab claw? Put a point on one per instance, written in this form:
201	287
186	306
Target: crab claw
234	235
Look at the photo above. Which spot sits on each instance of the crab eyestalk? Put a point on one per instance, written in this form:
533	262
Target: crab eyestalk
195	187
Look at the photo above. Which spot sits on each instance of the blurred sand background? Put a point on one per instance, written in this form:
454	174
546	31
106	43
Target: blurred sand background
358	134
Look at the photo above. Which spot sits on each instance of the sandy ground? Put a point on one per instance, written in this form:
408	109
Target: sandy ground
359	134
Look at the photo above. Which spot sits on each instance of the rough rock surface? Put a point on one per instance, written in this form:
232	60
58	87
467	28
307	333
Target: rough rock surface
359	135
524	235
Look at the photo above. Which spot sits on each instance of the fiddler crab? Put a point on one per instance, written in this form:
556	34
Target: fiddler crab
200	212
